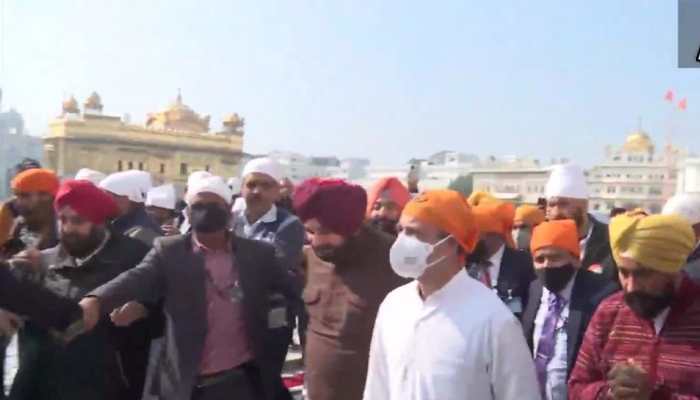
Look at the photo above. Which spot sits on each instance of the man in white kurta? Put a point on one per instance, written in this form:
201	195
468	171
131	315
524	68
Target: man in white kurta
445	336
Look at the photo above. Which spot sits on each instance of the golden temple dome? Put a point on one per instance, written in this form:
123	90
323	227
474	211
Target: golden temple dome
70	106
94	102
233	121
638	141
178	116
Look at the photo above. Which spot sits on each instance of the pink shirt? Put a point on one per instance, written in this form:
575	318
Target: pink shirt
226	345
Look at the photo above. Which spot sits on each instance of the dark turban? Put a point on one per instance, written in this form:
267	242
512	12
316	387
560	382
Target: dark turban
337	205
89	201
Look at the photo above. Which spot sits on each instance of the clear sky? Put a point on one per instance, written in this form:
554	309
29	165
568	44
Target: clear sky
386	80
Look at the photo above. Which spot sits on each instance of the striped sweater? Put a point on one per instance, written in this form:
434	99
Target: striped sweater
615	334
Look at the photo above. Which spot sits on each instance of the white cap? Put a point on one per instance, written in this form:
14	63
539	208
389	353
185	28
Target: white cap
235	185
162	196
266	166
567	180
197	175
87	174
239	205
132	184
212	184
685	205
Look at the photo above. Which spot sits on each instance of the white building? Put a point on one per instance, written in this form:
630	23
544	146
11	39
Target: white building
299	167
689	176
634	175
520	180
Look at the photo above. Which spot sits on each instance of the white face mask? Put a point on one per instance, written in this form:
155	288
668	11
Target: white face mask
409	256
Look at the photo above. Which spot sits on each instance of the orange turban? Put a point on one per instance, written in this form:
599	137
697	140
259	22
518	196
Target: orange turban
480	197
449	211
392	188
36	180
528	214
496	217
561	233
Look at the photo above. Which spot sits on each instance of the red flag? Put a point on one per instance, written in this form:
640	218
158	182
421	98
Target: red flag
683	104
669	96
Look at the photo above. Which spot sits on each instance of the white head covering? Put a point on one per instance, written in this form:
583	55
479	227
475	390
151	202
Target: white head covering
239	205
266	166
162	196
212	184
235	185
87	174
131	184
685	205
143	179
197	175
567	180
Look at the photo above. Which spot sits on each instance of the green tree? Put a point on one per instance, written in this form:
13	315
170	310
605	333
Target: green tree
463	184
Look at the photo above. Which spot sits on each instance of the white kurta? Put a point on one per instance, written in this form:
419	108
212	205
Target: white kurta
461	343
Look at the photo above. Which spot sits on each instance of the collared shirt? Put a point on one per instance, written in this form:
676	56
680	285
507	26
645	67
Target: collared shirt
75	262
461	342
557	367
660	320
226	345
248	228
584	242
495	265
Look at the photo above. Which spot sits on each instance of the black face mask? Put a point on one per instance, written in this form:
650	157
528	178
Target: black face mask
385	225
556	278
648	306
208	218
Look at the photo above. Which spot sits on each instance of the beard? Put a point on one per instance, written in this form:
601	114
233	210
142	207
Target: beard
385	225
80	246
648	306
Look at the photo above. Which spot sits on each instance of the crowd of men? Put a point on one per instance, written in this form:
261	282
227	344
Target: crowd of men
114	289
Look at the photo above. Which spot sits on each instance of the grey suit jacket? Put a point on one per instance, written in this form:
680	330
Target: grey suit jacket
173	272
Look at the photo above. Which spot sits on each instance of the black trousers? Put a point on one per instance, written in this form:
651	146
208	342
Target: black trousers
239	384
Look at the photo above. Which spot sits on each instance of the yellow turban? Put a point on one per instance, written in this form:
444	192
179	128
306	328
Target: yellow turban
479	197
659	242
528	214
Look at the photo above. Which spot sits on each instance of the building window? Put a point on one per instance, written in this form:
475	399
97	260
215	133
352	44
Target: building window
120	165
183	169
162	168
140	166
207	168
130	165
655	190
612	189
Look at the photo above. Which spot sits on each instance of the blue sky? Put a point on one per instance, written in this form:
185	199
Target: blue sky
386	80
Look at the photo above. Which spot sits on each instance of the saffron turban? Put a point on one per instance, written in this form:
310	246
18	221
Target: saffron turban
561	233
390	188
659	242
87	200
335	203
449	211
496	217
36	180
479	197
528	214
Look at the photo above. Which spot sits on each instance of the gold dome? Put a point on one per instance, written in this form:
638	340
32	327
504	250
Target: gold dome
178	116
94	102
233	121
638	141
70	106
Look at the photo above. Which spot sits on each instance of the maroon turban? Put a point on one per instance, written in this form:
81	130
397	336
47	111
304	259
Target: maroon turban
335	203
89	201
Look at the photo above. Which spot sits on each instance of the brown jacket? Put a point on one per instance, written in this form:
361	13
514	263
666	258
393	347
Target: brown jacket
342	299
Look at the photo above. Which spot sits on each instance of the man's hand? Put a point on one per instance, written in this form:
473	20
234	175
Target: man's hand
9	323
629	381
128	314
91	312
169	230
30	258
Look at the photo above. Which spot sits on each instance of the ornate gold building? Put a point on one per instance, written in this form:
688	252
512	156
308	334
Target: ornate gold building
173	143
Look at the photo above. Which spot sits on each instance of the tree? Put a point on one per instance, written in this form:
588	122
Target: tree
463	184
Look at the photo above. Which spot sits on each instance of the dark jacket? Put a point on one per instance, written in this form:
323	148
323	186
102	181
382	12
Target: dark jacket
95	365
598	255
21	238
138	225
26	298
174	272
514	277
588	291
342	299
695	255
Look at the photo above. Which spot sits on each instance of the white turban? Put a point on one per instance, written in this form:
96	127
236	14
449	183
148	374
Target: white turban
567	180
132	184
197	175
686	206
239	205
213	184
235	185
266	166
87	174
162	196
